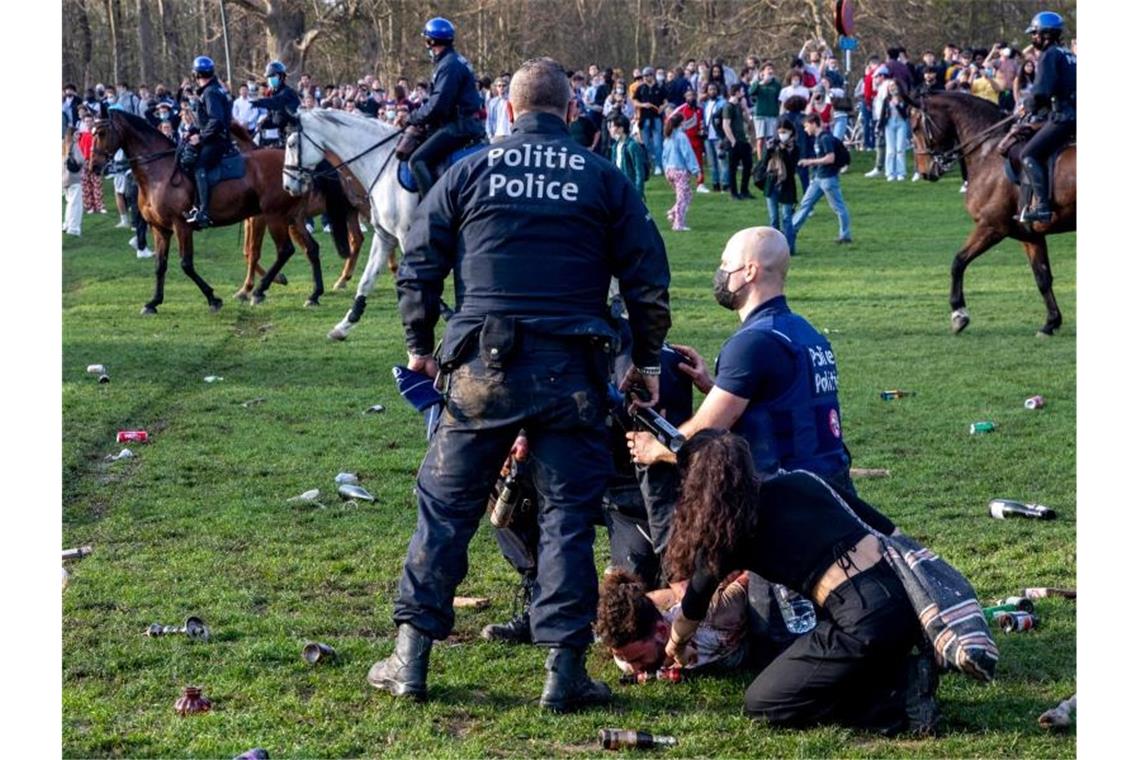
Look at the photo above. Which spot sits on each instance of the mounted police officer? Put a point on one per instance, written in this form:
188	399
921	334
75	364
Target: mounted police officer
777	382
211	141
449	115
1054	99
281	106
527	352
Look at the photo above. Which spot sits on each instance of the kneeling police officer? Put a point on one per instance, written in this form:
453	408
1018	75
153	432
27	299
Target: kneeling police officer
533	228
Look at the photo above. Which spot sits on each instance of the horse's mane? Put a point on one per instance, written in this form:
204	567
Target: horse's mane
345	119
978	112
137	123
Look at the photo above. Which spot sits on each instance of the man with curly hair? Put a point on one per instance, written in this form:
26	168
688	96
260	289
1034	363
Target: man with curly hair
634	623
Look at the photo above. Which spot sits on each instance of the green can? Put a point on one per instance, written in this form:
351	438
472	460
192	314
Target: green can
982	427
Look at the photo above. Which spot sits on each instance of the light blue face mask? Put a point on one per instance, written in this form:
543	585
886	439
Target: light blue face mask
275	82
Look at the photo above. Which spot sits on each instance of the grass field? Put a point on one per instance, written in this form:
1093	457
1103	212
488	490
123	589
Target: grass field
197	522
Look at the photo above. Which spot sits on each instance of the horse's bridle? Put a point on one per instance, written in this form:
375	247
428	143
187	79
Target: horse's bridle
945	159
146	158
302	174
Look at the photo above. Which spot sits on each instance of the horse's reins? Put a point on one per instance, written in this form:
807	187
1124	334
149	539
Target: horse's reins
300	172
949	157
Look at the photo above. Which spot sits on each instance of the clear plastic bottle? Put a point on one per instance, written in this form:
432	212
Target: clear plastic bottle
798	612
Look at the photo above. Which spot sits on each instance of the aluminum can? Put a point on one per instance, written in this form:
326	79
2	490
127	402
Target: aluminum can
1034	402
96	369
132	436
982	427
1015	622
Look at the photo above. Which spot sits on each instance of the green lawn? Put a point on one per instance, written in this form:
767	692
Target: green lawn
197	522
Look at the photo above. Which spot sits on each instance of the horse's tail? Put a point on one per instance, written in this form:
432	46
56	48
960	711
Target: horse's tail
337	207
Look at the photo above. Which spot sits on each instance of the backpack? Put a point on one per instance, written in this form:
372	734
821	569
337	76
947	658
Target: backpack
842	155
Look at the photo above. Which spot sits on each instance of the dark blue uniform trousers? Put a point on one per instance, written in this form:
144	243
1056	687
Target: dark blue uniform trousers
556	392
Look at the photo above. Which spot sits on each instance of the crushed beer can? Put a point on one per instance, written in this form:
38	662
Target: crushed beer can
131	436
1002	509
1034	402
894	394
316	651
191	701
982	427
96	369
1021	603
347	478
124	454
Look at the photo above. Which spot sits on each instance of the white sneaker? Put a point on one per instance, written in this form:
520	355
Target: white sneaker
873	173
965	185
73	233
309	228
657	172
123	223
102	211
702	189
145	253
915	177
844	169
133	242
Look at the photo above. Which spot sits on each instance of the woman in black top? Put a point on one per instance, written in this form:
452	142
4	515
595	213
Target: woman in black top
854	668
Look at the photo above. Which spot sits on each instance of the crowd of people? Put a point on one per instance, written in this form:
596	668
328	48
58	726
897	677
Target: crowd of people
732	118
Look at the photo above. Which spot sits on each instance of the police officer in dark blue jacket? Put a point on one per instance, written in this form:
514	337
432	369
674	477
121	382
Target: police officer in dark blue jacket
776	379
450	114
533	228
1054	98
281	106
212	140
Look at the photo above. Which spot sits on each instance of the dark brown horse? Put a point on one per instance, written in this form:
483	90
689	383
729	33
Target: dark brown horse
954	126
166	194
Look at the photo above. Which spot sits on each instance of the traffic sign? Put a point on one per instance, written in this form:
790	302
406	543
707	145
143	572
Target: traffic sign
848	43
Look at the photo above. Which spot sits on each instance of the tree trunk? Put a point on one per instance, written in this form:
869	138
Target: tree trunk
112	7
146	45
171	43
84	25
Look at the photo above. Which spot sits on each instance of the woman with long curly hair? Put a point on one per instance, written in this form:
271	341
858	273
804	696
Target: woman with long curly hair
855	668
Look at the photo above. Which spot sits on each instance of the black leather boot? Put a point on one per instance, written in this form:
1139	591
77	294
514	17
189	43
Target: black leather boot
198	216
517	629
404	674
1041	211
424	176
568	686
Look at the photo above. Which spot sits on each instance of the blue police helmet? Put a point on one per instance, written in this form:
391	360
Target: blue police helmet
204	64
439	29
1046	21
275	68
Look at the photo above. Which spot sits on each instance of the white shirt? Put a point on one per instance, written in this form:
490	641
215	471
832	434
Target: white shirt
881	97
244	113
789	91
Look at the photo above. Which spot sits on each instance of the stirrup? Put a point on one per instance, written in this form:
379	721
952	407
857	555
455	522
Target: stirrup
1036	214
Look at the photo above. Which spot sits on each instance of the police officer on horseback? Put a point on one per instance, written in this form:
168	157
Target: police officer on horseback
281	106
449	115
1054	101
211	141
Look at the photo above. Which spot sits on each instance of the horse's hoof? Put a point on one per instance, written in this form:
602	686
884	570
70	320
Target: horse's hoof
216	305
1048	331
959	320
241	295
340	285
310	302
281	279
257	298
337	334
148	311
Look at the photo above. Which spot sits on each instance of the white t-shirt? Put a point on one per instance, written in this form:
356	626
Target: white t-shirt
789	91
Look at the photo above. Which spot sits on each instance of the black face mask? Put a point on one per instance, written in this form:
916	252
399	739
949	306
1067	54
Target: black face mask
729	299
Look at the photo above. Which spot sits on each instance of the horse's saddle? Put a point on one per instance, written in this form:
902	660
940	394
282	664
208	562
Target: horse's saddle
408	181
232	166
1013	161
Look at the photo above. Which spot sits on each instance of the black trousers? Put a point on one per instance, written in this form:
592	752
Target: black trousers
851	669
435	150
739	157
1050	138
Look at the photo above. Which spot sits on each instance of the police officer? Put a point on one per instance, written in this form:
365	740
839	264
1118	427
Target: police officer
776	381
527	352
212	140
450	112
1054	97
281	106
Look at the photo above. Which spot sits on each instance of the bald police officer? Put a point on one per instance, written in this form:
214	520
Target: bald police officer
533	228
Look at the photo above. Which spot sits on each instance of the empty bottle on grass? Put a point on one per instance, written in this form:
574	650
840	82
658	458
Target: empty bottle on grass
619	738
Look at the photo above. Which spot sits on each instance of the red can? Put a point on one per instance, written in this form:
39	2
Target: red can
1015	622
1034	402
132	436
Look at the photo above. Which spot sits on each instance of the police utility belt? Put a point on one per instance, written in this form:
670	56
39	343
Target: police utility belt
502	338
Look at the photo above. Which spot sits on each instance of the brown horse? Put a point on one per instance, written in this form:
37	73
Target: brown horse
344	201
954	126
166	194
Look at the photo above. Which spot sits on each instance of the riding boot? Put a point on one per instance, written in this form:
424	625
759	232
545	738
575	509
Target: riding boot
517	629
424	176
1034	172
198	216
568	686
404	673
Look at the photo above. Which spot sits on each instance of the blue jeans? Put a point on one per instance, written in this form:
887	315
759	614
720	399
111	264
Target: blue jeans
896	135
839	127
780	217
868	125
829	187
653	140
718	165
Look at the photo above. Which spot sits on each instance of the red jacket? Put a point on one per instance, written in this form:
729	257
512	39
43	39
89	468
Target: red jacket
86	141
691	123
